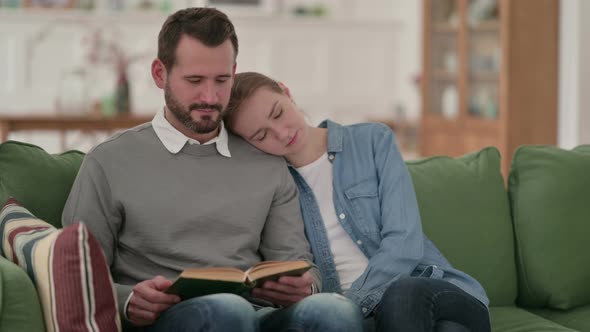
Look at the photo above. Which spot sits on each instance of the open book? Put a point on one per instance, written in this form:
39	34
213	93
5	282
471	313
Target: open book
204	281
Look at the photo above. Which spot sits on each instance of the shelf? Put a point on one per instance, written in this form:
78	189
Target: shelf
444	27
78	15
436	121
481	124
484	75
486	26
132	16
443	75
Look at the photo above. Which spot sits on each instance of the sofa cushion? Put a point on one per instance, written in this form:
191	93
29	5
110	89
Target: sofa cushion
549	194
67	267
38	179
19	305
464	209
578	318
513	319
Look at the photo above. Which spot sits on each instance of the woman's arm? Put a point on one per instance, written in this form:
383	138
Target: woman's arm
402	243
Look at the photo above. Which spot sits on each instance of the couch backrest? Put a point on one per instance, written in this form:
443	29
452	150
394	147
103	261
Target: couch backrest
550	199
463	205
39	180
20	309
464	208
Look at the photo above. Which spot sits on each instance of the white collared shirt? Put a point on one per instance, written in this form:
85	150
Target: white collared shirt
174	140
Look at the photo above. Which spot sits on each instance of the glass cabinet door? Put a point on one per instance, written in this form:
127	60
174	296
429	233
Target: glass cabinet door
484	56
444	58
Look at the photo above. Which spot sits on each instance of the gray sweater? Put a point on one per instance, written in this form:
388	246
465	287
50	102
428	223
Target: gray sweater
157	213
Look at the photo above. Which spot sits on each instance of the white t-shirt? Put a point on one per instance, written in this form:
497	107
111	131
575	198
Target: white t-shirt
349	259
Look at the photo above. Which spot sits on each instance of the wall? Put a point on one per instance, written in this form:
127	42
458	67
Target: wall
357	63
574	103
574	77
584	72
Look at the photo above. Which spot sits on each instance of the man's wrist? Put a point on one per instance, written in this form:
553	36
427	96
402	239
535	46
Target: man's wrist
126	306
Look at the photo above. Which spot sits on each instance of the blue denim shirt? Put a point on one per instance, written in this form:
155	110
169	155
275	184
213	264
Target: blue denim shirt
376	204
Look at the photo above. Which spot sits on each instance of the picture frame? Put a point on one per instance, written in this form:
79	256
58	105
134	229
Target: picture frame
59	4
237	8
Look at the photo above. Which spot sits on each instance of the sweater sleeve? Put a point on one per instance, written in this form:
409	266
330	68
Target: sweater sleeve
90	201
283	237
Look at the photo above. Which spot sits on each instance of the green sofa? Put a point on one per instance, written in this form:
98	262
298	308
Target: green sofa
526	245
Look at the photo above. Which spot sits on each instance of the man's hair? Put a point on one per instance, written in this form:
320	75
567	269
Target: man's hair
210	26
245	85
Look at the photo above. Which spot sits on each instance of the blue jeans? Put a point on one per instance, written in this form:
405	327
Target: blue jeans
325	312
218	312
425	304
226	312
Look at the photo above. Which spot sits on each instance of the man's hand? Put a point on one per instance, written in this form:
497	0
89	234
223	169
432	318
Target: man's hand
286	291
149	301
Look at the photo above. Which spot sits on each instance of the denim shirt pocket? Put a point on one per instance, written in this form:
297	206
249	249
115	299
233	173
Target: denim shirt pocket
363	199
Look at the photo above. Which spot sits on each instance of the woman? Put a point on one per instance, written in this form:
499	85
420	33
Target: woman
361	215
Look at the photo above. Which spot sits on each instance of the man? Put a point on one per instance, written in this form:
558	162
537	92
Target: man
181	192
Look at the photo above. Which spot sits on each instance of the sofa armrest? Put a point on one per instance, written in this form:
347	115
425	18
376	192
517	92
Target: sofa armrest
20	309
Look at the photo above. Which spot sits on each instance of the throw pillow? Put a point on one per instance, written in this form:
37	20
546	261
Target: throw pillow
67	267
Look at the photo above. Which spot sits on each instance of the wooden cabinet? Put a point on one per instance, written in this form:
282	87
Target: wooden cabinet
490	76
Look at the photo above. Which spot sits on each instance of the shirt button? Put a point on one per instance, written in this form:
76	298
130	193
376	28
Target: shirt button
359	242
365	310
342	216
331	156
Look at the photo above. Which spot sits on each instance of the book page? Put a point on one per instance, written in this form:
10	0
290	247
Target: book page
268	269
215	273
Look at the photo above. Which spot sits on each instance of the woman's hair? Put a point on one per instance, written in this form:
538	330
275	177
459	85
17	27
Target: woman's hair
245	85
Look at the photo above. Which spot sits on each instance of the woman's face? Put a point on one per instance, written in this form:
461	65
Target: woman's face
271	122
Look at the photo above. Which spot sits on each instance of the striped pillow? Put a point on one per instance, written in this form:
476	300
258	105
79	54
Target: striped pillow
67	267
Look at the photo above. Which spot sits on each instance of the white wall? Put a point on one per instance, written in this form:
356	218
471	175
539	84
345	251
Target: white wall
574	75
356	63
574	79
584	72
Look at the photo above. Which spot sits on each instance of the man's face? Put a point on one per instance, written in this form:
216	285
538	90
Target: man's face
199	84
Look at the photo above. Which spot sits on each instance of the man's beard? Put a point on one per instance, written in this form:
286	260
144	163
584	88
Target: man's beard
203	126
